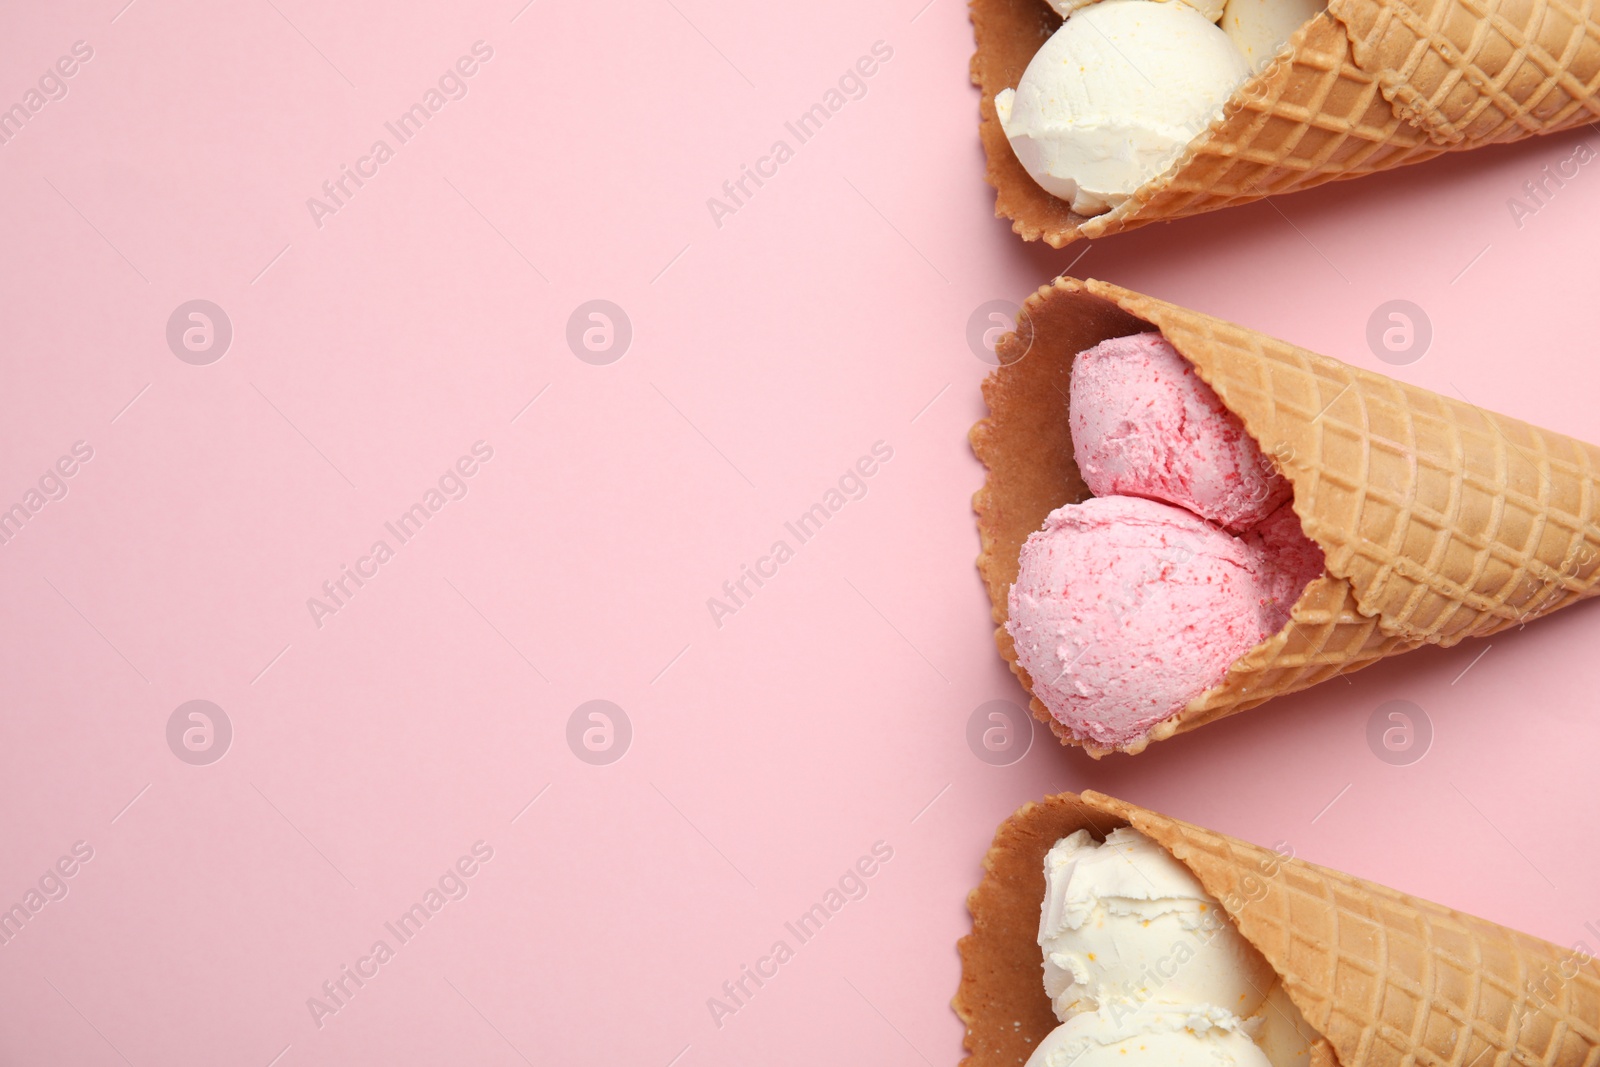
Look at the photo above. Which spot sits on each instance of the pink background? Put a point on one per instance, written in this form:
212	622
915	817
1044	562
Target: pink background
768	354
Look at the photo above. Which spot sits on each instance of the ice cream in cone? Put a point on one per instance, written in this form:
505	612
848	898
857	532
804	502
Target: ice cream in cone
1363	86
1437	520
1381	978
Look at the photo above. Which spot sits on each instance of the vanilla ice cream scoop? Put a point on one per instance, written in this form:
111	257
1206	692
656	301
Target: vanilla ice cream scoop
1154	1039
1115	95
1211	9
1145	969
1260	28
1282	1032
1125	927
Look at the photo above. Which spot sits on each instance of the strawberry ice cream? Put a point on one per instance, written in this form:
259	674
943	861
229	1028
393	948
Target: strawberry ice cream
1129	605
1125	609
1144	424
1292	560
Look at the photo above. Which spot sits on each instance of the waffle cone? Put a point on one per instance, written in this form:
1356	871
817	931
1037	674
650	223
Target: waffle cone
1439	520
1385	978
1367	85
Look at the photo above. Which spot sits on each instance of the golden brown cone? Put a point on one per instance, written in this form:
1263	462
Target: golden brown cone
1439	520
1389	980
1368	85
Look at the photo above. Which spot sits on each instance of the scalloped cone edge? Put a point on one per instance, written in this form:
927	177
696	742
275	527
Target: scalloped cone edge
1366	86
1440	520
1388	980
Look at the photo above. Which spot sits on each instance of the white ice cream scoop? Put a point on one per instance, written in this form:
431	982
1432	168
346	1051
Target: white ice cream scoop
1115	95
1127	929
1211	9
1282	1032
1260	28
1094	1039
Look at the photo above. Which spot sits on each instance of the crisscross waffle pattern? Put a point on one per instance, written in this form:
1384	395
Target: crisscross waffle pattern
1312	116
1327	636
1448	520
1478	71
1367	86
1386	977
1439	520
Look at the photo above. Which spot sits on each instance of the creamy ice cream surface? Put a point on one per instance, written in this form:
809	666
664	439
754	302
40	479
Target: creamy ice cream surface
1155	1040
1128	605
1126	926
1291	560
1260	28
1145	969
1114	95
1281	1031
1124	609
1211	9
1144	424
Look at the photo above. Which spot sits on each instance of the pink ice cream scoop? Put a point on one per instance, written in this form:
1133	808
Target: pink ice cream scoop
1292	560
1144	424
1125	609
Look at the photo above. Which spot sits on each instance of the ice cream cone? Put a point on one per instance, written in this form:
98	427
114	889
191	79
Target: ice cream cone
1385	978
1439	520
1365	86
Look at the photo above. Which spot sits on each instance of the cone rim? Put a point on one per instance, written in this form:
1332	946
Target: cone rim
1389	593
977	436
1301	918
